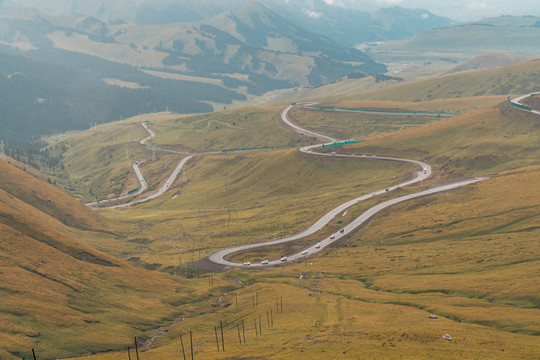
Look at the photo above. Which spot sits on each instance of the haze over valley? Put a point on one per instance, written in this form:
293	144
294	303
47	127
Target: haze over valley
277	179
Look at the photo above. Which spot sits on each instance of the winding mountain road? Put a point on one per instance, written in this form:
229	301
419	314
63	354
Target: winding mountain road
219	256
519	98
142	182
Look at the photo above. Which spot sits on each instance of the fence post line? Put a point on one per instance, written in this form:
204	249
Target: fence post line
272	316
222	339
183	351
191	343
244	331
239	337
260	325
255	323
268	318
136	348
217	341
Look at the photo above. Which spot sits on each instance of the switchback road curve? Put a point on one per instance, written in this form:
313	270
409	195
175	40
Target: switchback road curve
219	256
142	182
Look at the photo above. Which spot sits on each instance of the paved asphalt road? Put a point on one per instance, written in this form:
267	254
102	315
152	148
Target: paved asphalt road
519	98
143	185
218	257
424	172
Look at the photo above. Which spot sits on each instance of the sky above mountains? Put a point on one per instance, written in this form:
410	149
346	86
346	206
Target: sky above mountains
459	10
465	10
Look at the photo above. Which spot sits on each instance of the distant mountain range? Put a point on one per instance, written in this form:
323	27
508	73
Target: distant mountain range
350	27
64	72
461	42
347	26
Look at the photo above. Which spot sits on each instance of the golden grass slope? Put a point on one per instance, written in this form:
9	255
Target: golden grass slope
56	288
470	256
247	127
513	79
481	142
48	199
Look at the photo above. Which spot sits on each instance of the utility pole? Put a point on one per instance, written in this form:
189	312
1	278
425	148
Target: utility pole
2	151
127	142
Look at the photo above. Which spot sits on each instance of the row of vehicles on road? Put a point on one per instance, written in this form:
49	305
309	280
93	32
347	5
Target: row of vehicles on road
304	252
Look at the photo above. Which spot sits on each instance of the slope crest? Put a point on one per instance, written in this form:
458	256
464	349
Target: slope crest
49	199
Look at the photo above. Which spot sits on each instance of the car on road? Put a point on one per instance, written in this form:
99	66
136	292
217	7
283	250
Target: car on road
332	237
247	263
342	231
304	252
264	262
283	258
318	246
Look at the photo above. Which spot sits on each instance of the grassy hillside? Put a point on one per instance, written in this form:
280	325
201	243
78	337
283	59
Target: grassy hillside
513	79
492	60
427	83
49	200
56	288
246	127
469	256
345	125
236	198
481	142
456	255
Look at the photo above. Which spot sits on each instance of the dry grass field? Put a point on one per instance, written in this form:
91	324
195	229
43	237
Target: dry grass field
469	256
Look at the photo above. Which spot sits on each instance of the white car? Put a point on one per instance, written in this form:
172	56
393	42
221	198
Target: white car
318	246
332	237
247	263
304	252
283	258
264	262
